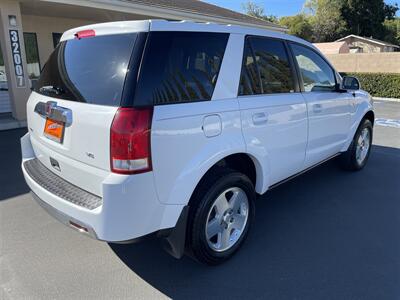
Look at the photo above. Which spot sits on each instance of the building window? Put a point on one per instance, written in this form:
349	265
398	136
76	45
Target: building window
56	38
5	106
3	77
32	55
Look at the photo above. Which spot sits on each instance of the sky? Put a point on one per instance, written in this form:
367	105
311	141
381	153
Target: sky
277	8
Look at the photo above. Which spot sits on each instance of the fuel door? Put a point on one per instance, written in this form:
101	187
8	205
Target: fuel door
212	125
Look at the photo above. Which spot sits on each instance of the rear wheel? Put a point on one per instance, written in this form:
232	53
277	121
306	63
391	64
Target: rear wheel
221	211
356	157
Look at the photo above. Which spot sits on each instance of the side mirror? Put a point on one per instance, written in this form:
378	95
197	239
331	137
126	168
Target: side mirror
350	83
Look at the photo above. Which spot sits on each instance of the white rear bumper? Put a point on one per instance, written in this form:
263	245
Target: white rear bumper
130	206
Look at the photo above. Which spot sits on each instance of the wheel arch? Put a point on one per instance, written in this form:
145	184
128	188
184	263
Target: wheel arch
365	111
370	115
242	162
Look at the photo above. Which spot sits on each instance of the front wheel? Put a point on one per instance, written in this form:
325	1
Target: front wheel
356	157
221	212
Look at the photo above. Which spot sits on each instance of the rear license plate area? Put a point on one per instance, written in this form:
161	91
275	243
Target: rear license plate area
54	130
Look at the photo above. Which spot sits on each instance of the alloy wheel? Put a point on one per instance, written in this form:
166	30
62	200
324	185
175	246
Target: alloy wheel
227	219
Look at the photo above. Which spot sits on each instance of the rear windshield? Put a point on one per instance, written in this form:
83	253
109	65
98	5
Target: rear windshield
179	67
90	70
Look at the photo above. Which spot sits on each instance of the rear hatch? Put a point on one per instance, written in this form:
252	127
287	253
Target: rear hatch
74	103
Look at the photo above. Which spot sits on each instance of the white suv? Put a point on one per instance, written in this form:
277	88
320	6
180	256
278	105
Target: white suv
172	128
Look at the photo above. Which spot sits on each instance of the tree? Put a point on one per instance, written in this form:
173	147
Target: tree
252	9
392	31
298	25
390	11
326	20
366	17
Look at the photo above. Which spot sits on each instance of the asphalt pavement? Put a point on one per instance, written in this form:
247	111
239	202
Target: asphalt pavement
328	234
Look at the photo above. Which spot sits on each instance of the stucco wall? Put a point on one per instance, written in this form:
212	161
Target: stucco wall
44	28
366	62
367	47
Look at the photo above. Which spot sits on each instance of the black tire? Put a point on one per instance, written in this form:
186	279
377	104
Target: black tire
348	159
203	199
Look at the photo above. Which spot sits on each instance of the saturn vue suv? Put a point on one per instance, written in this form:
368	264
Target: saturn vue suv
170	129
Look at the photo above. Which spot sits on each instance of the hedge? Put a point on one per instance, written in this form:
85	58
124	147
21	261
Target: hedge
386	85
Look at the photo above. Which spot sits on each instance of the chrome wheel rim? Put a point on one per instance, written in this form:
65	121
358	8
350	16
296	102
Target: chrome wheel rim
227	219
363	145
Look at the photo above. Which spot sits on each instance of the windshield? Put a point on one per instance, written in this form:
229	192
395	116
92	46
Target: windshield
90	70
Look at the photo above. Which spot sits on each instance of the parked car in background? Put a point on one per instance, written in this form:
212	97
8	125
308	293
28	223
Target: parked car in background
171	129
3	77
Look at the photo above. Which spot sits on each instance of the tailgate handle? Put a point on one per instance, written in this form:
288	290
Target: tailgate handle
52	111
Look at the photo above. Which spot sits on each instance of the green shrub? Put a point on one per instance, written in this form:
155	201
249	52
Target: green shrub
384	85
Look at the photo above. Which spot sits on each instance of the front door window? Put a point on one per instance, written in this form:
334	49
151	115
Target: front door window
317	75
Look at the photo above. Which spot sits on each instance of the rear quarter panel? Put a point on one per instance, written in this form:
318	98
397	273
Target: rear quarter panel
181	152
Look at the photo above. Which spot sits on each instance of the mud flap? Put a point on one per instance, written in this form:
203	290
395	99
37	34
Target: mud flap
174	244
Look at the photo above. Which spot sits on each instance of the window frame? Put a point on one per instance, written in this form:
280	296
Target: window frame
248	44
300	76
134	66
292	65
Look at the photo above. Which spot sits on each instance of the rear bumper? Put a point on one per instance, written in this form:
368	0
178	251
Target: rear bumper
129	208
65	219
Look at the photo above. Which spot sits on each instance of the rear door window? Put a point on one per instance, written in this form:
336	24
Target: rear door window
266	61
180	67
249	79
90	70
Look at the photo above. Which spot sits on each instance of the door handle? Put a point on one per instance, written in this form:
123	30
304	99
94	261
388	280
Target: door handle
260	118
317	108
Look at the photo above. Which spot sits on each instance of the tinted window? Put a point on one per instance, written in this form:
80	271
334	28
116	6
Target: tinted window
88	70
249	79
316	73
273	66
180	67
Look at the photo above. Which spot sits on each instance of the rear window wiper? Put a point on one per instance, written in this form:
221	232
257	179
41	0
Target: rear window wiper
49	89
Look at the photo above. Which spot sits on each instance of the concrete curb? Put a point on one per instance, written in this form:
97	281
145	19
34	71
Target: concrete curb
386	99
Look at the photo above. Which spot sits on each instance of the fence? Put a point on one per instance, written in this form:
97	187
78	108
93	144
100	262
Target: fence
366	62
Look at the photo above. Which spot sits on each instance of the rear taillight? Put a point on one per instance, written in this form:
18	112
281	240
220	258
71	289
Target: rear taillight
130	141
